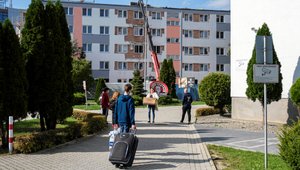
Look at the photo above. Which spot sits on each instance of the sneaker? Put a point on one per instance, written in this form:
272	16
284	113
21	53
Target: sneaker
181	121
149	121
153	122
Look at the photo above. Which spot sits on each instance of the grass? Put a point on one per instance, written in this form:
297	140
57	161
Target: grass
228	158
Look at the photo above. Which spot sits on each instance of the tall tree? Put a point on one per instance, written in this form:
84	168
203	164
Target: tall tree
14	84
172	78
33	46
137	82
255	91
100	85
164	72
81	71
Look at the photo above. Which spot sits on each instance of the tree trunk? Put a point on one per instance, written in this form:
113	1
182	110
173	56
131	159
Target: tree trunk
42	122
2	133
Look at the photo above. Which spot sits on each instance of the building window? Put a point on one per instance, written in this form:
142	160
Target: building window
87	29
122	48
122	14
71	28
104	65
86	11
204	34
138	49
138	15
203	67
188	67
188	33
188	50
220	67
122	30
188	17
156	15
104	13
68	11
156	32
172	23
172	40
104	47
220	35
220	18
173	57
204	50
122	65
157	49
204	18
87	47
220	51
104	30
138	31
138	66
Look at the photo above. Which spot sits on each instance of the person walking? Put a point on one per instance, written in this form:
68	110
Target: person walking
112	104
124	116
186	105
152	94
105	102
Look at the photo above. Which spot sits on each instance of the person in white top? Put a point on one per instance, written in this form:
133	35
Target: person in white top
152	94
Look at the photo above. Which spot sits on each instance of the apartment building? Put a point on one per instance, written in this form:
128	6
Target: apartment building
113	38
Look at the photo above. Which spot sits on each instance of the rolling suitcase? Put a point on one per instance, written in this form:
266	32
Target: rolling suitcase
124	149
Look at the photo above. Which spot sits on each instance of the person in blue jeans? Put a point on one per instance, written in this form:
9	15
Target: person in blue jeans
152	94
124	116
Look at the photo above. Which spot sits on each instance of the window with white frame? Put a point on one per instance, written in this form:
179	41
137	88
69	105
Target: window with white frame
188	67
71	28
188	17
220	35
156	15
122	48
204	18
172	23
86	11
204	34
104	65
87	29
220	18
122	66
188	33
204	50
172	40
138	15
122	30
204	67
138	31
188	50
87	47
157	49
104	13
156	32
138	49
138	66
122	14
104	47
220	51
220	67
104	30
68	11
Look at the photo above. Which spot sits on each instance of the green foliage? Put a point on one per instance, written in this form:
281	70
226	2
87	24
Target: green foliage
205	111
81	71
137	83
168	76
255	91
138	100
214	90
289	146
165	100
100	85
295	92
13	83
79	98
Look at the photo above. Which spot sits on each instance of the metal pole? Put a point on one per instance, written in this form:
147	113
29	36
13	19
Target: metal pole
265	109
181	27
145	59
10	134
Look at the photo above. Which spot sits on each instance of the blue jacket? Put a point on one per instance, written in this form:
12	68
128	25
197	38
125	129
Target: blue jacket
124	111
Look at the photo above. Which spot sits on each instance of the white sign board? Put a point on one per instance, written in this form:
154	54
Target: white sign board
265	73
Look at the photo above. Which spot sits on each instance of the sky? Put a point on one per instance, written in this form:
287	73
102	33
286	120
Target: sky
193	4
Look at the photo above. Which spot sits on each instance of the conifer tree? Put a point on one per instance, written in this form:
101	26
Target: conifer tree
137	83
164	73
172	78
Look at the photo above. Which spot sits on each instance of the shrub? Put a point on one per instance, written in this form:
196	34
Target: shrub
295	93
289	147
206	111
83	115
214	90
79	98
94	125
164	100
137	100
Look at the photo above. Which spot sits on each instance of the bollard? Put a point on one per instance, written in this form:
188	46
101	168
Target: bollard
10	134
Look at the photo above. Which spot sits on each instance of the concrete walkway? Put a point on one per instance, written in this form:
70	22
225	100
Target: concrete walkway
166	144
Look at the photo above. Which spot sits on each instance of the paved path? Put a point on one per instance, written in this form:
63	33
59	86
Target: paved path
164	145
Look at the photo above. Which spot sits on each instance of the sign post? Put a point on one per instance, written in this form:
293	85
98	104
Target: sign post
10	134
84	87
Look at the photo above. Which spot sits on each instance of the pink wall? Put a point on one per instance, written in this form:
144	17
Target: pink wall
173	32
176	65
77	20
173	49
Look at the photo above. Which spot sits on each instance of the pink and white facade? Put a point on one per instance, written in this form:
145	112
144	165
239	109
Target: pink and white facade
113	38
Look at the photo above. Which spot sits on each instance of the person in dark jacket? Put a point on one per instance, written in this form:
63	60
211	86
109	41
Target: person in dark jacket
186	105
124	116
112	104
105	102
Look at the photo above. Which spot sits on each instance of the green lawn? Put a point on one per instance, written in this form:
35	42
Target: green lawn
229	158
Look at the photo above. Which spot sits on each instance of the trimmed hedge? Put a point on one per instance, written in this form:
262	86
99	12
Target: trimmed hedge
205	112
79	98
89	123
